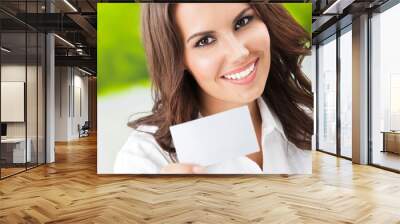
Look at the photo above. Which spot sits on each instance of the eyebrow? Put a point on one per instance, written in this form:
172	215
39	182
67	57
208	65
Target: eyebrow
211	32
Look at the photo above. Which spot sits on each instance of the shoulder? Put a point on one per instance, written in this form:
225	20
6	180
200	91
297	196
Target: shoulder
141	153
141	140
300	159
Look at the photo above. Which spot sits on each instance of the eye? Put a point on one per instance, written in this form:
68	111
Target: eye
243	21
204	41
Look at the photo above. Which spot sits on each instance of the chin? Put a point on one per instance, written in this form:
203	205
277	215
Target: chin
247	99
253	95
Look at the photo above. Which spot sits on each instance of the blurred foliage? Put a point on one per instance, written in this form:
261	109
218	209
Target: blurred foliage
121	60
302	13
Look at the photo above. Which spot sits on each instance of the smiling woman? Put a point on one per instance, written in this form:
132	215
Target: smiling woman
208	58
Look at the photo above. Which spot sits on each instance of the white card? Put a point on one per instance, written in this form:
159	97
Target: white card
216	138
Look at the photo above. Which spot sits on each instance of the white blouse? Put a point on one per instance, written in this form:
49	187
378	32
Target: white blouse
141	154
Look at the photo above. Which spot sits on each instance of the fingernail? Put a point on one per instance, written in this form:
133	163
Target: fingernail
198	169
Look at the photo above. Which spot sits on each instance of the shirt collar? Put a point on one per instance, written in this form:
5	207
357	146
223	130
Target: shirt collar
270	121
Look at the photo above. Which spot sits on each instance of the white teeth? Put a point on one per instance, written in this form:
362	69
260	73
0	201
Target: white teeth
242	74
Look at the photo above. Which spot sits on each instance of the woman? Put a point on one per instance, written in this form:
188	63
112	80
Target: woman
208	58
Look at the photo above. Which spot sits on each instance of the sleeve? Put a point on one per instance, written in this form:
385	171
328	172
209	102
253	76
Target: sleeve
140	155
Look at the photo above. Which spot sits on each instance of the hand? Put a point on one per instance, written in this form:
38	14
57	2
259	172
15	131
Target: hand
182	168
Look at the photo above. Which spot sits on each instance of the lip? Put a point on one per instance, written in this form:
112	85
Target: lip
240	69
246	80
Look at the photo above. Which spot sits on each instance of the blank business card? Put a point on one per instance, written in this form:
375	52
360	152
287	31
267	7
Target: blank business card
216	138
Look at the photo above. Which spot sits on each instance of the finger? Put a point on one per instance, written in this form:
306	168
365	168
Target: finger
182	168
199	169
177	168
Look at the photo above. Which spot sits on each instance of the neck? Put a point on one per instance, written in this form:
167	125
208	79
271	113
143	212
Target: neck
255	115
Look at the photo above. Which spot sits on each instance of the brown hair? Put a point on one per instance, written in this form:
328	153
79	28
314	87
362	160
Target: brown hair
287	91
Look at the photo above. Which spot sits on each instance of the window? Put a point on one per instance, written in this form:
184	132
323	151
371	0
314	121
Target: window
346	92
327	95
385	89
22	66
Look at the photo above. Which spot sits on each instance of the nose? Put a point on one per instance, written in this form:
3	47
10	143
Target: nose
235	49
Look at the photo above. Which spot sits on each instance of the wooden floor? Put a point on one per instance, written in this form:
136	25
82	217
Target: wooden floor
70	191
8	171
5	172
387	159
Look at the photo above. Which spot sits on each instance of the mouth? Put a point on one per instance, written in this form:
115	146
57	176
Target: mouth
243	75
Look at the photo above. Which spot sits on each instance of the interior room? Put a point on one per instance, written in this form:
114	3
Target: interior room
49	139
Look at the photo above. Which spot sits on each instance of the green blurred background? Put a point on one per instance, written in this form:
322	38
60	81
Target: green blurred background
121	59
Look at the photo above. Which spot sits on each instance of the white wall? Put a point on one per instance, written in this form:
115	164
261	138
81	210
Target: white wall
14	73
33	126
80	85
17	73
71	93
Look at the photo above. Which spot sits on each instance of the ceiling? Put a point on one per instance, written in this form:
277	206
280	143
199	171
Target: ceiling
74	21
332	15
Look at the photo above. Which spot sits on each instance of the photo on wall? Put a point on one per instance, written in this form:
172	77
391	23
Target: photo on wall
229	93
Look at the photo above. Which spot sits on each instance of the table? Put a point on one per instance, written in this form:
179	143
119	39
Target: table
391	141
18	151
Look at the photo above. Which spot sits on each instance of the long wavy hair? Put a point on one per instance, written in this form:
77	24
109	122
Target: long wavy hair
287	91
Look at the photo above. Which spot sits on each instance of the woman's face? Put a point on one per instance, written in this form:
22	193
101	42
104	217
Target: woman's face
226	48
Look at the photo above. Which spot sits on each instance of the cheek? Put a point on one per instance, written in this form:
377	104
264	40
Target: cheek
204	66
261	45
258	39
